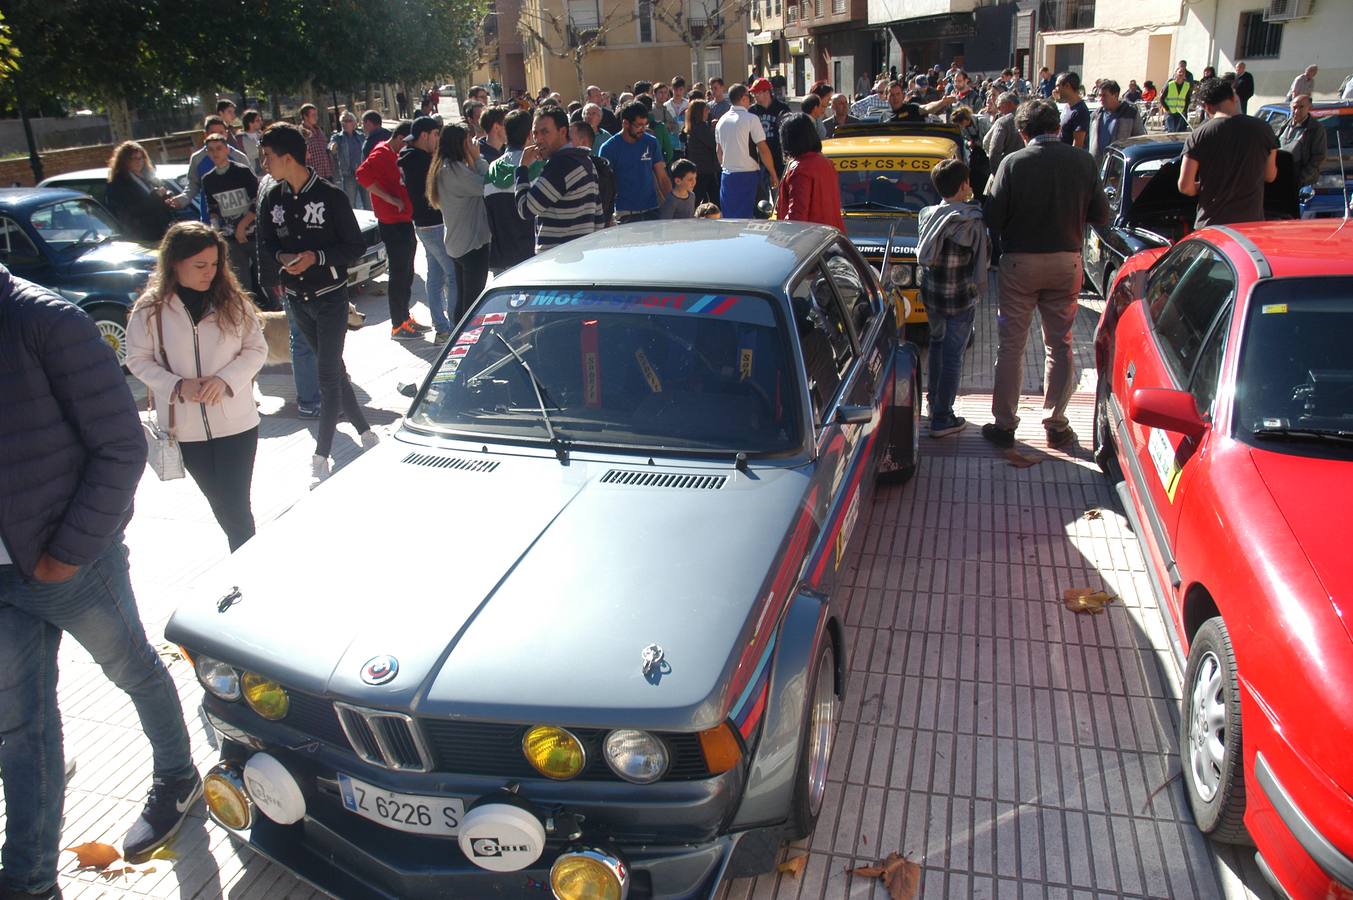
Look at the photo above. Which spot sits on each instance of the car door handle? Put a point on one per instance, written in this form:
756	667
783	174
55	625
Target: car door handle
1131	372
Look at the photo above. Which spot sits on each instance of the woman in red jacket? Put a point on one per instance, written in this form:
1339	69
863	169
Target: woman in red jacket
809	190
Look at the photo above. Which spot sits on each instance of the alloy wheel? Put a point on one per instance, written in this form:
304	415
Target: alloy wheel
1207	726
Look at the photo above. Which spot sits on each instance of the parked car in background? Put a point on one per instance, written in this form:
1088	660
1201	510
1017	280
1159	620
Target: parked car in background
1225	418
625	673
1141	182
1329	197
94	182
884	173
65	241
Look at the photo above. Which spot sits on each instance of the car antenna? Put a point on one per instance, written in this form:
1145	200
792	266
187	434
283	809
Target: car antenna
887	254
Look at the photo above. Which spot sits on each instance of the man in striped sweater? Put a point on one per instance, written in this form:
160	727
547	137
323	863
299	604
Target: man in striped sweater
565	198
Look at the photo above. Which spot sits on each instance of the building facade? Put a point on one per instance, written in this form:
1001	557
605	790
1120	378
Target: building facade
1144	39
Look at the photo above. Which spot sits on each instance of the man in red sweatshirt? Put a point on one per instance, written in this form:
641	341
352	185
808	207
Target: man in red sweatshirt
379	174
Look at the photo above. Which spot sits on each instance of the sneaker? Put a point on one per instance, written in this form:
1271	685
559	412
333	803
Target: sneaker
166	808
442	337
369	439
418	326
406	332
1060	437
307	412
998	436
51	893
945	427
319	470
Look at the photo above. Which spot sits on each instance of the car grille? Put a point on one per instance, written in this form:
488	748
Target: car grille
468	748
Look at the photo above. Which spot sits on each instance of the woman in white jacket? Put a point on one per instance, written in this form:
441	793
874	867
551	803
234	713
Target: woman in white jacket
194	339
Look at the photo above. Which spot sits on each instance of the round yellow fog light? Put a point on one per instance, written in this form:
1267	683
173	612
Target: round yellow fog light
227	800
554	752
265	696
588	875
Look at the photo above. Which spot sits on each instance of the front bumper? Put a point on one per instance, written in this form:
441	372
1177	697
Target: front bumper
670	835
1292	850
373	264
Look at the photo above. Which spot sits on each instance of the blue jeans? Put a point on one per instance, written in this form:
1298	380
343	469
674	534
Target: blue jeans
441	278
304	369
948	343
98	608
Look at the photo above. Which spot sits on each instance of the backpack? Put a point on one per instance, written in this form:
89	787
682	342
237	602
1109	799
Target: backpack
605	185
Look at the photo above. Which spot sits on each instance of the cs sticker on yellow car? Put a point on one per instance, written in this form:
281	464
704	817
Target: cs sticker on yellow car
882	163
1163	456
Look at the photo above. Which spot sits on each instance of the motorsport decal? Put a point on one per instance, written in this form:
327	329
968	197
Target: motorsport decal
1163	456
874	247
650	375
732	307
470	336
746	712
882	163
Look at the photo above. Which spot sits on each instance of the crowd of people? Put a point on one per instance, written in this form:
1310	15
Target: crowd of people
274	222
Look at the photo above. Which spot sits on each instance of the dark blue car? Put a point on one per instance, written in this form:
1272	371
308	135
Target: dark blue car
1328	197
67	242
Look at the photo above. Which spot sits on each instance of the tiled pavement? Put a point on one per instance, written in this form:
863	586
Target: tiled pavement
1011	747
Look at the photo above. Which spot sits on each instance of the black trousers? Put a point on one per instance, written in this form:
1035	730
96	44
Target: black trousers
223	468
400	245
707	188
472	272
323	322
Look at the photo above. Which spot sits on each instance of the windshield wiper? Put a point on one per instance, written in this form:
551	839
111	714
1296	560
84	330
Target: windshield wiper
1289	433
874	204
560	450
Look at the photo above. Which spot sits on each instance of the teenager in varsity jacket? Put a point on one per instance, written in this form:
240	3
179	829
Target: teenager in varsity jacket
306	224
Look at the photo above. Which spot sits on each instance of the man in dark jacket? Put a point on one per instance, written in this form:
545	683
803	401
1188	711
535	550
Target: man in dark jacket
1244	88
1114	120
1037	208
1004	138
306	227
514	236
414	161
71	454
1305	138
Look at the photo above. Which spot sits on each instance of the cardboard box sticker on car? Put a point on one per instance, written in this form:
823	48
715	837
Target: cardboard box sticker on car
1162	454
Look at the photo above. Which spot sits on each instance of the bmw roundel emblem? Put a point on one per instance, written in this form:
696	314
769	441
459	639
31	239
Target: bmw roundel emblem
380	669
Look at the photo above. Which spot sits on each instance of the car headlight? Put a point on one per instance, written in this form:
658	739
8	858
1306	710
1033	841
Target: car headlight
635	756
218	678
554	752
585	873
1330	181
265	696
900	275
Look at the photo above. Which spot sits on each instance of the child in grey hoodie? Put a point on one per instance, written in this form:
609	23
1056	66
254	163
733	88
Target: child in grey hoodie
954	251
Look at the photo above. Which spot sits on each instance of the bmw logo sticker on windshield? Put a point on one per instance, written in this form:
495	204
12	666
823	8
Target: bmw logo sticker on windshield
380	669
516	300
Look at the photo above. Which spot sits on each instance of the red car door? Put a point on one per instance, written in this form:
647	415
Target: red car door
1174	340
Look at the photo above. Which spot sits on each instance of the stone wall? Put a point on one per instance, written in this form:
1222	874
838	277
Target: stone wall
171	148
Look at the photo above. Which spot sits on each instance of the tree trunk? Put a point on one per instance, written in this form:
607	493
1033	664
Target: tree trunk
275	99
119	117
578	68
698	61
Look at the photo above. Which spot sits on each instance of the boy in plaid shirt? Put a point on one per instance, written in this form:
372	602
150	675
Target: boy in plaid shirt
954	251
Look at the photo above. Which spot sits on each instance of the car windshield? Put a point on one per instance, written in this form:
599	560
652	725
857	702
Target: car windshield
1294	391
888	183
73	223
683	371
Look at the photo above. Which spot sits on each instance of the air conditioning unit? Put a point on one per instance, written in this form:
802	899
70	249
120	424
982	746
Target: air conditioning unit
1287	10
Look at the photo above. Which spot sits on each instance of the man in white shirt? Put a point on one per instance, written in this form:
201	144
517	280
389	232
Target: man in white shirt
736	131
1303	83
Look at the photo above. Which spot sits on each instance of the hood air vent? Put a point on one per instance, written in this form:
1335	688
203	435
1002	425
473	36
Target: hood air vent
631	478
450	462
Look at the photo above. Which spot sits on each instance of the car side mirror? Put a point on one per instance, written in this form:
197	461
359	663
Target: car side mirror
850	414
1167	409
765	209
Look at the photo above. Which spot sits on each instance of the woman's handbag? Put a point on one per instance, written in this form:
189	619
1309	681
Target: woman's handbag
165	457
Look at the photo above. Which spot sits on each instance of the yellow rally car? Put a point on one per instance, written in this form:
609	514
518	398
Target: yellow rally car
884	171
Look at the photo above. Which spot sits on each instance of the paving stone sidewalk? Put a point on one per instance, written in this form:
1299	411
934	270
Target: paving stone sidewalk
1012	748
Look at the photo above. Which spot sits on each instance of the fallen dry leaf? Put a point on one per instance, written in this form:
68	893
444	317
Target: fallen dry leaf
93	855
1019	460
793	866
1082	600
899	875
1094	512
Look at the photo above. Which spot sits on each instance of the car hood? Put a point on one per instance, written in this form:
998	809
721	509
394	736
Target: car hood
869	234
523	594
114	256
1289	479
1161	194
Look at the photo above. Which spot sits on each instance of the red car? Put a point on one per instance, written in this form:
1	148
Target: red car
1225	414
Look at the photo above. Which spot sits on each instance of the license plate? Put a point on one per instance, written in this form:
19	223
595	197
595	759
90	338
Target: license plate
414	813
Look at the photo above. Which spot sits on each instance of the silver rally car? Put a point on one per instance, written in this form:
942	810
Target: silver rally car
594	643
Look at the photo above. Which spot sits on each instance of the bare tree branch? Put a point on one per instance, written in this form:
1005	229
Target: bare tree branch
560	38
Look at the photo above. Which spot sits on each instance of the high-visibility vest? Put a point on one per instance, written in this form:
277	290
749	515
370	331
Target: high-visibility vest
1176	96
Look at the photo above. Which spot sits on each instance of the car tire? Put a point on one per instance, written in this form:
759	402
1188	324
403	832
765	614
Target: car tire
111	321
905	459
1104	454
820	718
1211	749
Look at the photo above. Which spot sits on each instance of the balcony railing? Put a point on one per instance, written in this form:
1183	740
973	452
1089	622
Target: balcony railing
1066	15
701	25
582	34
792	13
